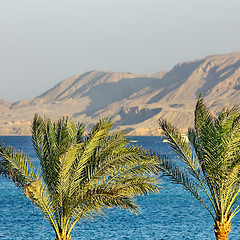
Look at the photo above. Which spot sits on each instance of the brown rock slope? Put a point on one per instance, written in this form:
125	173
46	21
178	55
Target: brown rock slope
134	102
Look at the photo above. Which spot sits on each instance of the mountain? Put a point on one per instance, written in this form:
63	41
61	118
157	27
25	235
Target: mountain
134	102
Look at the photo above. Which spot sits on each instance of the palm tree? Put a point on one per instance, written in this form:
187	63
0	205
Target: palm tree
80	175
209	166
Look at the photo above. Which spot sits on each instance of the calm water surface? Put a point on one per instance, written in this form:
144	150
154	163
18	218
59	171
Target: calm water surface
170	214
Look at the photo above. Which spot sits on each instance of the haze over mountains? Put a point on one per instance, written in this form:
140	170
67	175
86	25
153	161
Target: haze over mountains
134	102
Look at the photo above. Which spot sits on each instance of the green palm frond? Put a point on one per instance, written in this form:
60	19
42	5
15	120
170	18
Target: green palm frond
17	166
37	192
23	172
111	162
44	143
180	175
203	119
183	149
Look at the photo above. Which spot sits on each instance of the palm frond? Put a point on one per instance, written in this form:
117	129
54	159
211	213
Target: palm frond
83	164
180	175
43	138
183	149
17	166
37	192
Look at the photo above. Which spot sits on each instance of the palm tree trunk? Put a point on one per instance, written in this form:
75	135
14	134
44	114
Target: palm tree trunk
63	238
222	229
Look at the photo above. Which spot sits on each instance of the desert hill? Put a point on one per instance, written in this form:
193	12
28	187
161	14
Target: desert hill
134	102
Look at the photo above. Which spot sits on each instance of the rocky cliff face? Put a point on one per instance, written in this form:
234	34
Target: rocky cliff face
134	102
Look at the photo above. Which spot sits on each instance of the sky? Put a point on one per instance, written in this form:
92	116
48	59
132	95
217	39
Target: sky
44	42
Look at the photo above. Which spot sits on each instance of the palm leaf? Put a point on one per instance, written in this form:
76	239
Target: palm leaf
17	166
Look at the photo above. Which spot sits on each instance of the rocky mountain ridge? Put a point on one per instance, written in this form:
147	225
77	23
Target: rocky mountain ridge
133	101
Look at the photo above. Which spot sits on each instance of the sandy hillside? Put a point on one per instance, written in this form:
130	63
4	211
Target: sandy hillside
134	102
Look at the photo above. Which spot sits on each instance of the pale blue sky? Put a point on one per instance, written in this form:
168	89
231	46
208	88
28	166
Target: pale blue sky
43	42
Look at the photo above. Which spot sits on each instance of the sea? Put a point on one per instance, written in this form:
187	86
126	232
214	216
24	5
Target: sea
170	214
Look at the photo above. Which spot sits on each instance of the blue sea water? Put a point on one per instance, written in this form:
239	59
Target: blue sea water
171	214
